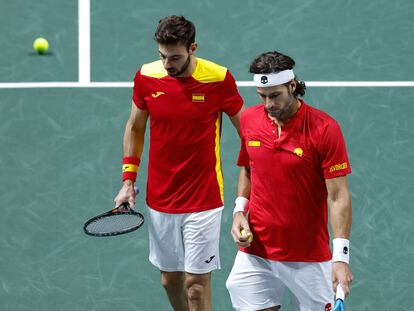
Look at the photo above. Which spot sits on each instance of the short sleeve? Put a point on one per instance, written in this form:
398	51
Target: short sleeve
138	94
333	152
232	102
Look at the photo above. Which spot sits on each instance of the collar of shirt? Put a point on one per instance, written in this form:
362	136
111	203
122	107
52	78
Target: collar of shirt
292	121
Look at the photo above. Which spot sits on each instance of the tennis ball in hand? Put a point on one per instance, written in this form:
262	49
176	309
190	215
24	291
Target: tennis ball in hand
245	235
41	45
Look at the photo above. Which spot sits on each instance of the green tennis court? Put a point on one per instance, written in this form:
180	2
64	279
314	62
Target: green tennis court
61	146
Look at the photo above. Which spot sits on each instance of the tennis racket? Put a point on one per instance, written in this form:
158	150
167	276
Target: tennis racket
120	220
340	298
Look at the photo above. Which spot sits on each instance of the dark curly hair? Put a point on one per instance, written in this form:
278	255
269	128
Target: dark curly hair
175	29
271	62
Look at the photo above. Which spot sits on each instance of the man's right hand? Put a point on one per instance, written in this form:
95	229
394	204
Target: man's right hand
240	222
126	194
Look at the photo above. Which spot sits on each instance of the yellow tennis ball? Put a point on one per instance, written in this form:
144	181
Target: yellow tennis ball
244	235
41	45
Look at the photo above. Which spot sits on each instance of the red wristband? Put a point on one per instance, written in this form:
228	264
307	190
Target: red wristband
130	167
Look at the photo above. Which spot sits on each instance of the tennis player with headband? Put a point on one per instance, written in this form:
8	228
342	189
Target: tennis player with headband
293	165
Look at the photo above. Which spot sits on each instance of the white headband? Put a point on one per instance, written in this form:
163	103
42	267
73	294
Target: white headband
272	79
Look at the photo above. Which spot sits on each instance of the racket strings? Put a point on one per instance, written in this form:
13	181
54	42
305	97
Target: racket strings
115	223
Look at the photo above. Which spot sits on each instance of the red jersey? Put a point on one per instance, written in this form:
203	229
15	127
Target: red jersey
288	200
184	166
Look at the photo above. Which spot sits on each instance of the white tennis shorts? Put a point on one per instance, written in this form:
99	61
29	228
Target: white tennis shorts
185	242
256	283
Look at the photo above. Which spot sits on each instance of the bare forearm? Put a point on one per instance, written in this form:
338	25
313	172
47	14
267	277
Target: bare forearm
243	186
236	120
339	201
341	219
133	140
135	132
341	216
133	143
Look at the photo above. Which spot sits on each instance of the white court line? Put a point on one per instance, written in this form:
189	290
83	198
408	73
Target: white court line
39	85
84	34
84	69
346	83
35	85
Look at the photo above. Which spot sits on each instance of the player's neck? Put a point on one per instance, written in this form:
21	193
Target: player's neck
190	69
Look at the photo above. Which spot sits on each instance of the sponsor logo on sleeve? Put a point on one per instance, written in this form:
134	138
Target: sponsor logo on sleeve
338	167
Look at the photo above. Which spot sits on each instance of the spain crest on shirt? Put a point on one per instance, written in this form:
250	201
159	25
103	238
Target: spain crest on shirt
198	98
298	152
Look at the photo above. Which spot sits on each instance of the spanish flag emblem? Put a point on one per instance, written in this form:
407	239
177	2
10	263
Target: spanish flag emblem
253	143
198	98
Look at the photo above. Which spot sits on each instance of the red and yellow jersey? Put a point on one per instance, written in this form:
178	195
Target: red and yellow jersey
288	200
184	166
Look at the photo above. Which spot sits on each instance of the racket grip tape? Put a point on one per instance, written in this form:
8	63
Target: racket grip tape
340	294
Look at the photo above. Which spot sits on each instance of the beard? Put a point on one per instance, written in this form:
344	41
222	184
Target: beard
282	114
174	72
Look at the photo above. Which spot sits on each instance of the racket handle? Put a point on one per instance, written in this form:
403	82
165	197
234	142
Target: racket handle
339	305
124	206
340	294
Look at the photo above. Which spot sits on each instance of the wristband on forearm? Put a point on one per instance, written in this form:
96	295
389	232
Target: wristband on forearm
240	204
130	167
340	250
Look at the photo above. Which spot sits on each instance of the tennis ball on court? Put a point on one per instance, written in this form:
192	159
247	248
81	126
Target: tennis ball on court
41	45
245	235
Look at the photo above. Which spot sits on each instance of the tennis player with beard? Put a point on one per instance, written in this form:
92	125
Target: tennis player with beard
294	164
184	98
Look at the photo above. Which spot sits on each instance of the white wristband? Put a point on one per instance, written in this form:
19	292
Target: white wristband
240	204
340	250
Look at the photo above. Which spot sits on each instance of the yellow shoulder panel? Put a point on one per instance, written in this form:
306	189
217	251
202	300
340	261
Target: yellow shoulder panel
154	70
207	71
